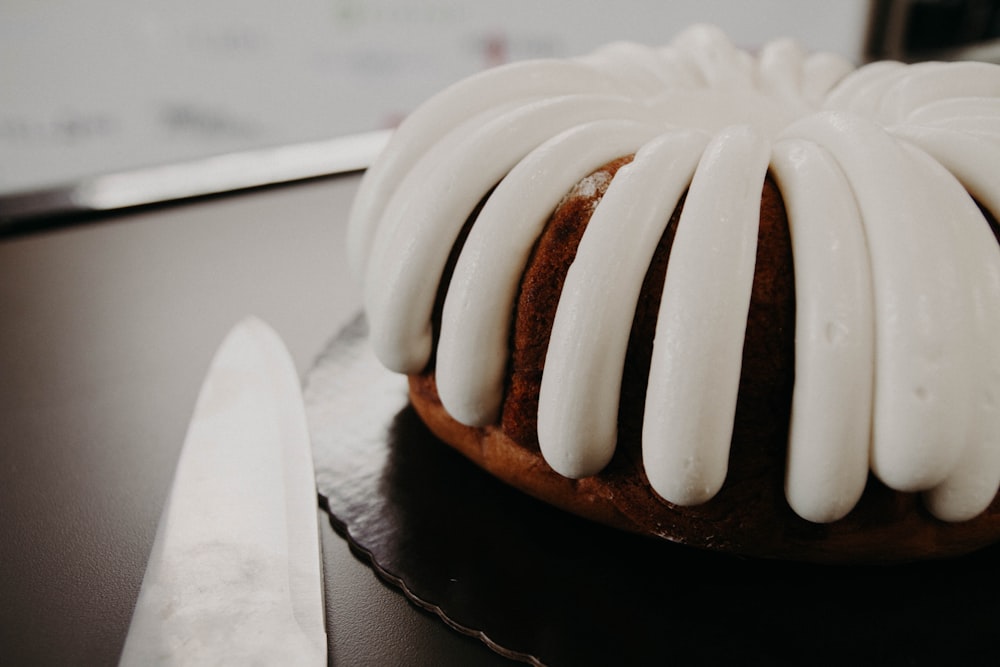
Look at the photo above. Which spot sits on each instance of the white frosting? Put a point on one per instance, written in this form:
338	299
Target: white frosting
475	326
578	400
927	83
441	114
859	91
694	374
433	202
923	333
820	72
973	160
779	69
972	482
828	439
897	272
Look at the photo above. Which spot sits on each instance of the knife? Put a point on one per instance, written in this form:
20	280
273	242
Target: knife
235	573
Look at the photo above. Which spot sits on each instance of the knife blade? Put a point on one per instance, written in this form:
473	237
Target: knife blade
235	572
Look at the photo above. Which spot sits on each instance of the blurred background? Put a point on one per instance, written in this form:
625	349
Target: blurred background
105	86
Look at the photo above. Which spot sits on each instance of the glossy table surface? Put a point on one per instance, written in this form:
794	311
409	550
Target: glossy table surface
106	330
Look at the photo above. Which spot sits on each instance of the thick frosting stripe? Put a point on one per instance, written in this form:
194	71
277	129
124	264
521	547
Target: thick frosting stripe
860	91
721	64
698	346
475	326
779	69
829	434
412	185
400	294
677	70
972	484
442	113
984	127
957	109
635	63
922	328
581	382
974	160
919	85
821	72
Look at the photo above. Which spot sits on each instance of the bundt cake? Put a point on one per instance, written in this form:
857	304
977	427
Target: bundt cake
747	302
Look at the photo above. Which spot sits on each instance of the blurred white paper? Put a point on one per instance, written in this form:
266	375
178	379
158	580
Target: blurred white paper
103	86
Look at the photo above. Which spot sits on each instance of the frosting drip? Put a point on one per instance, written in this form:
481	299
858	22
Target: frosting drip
578	403
694	374
897	271
834	328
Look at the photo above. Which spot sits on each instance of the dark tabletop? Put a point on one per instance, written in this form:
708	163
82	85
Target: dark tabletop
106	330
